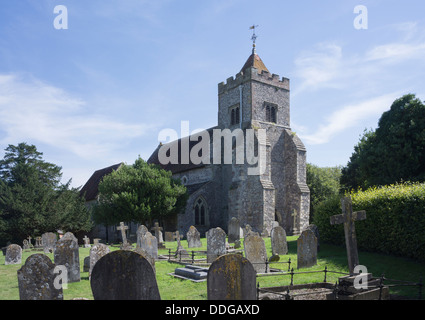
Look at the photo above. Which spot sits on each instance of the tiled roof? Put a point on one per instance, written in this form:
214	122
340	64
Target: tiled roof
255	61
176	168
90	189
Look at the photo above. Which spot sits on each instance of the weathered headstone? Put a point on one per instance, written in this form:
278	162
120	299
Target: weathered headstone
124	275
48	241
216	244
231	277
147	256
96	240
348	217
96	252
255	252
26	245
169	236
315	230
13	254
86	264
36	279
306	249
233	230
141	231
66	254
193	238
69	236
278	241
86	242
150	244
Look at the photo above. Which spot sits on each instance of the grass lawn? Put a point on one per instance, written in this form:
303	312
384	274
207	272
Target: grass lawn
170	288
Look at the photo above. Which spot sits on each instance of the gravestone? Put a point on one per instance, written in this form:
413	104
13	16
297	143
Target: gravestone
96	240
124	275
38	243
86	242
348	217
234	230
141	231
231	277
36	279
169	236
86	264
147	256
26	245
216	244
48	241
193	273
13	254
278	241
255	252
306	249
150	244
96	252
66	253
193	238
315	230
158	235
69	236
125	244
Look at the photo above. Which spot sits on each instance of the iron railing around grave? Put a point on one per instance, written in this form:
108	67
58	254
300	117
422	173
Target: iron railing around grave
337	287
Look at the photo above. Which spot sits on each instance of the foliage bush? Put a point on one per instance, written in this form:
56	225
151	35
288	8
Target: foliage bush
395	222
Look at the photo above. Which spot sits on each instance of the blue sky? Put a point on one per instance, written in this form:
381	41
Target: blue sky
99	92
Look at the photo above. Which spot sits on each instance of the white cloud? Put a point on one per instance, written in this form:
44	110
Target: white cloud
396	52
349	116
33	110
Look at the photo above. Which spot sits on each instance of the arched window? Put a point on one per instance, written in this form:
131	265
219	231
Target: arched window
271	113
200	210
235	116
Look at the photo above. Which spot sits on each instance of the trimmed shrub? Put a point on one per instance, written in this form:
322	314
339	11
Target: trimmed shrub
395	222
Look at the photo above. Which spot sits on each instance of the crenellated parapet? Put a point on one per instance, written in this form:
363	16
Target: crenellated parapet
253	74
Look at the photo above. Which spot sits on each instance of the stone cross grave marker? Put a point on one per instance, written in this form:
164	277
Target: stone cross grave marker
122	228
158	234
306	249
216	244
234	230
193	238
231	277
255	252
36	279
66	253
38	243
13	254
278	241
348	217
124	275
86	242
29	242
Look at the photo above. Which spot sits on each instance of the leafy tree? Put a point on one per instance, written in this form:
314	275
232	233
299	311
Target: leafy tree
323	184
393	153
140	193
32	199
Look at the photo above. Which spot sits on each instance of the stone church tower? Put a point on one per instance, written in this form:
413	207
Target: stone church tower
252	100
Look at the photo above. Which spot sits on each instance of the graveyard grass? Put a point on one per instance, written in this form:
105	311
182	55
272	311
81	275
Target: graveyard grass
330	256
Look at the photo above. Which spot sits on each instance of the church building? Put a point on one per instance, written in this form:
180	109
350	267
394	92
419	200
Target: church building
253	100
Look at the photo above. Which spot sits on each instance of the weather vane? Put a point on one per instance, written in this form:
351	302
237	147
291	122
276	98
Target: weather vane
254	36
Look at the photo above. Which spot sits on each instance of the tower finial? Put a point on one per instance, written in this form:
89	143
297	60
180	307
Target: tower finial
254	37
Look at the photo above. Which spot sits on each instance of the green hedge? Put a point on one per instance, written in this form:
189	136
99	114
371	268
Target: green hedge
395	222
